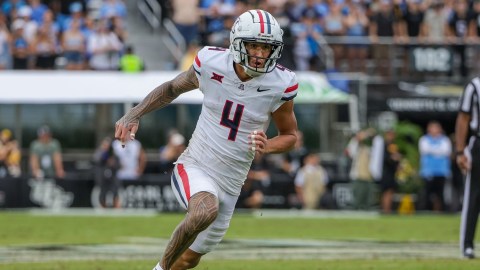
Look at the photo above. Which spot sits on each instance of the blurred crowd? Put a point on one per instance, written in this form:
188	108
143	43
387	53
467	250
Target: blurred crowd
72	35
91	34
382	166
356	30
387	163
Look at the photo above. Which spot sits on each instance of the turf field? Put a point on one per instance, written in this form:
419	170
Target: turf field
265	240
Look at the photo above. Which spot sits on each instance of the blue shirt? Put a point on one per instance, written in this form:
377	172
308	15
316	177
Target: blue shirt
435	156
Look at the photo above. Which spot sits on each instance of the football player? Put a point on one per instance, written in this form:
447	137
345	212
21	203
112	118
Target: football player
244	88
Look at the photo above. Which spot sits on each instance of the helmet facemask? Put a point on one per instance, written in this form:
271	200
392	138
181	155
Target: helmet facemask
270	60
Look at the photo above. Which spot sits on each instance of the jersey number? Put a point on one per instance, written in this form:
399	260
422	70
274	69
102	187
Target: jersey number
232	124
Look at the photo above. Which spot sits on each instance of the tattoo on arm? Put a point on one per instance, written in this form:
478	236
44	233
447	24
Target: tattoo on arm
202	211
163	95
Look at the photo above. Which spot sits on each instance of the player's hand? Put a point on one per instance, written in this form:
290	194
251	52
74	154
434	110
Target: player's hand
463	163
126	129
258	141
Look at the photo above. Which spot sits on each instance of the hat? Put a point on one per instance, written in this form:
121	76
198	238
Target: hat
18	24
177	139
311	13
6	133
75	7
43	130
25	11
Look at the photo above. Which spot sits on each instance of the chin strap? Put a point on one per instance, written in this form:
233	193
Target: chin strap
251	73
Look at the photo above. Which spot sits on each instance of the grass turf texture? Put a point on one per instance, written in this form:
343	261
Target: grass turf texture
262	265
24	229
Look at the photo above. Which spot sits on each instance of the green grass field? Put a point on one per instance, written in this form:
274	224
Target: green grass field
20	231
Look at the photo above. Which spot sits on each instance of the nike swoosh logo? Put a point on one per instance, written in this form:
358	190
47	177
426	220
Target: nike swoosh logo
262	90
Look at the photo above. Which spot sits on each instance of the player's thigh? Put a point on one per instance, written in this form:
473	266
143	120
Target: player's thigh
188	180
208	239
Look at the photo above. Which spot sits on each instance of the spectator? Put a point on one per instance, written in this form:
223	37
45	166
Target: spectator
186	16
30	27
9	6
20	49
88	28
411	28
170	152
459	30
385	158
475	32
44	50
113	8
10	155
130	62
221	37
104	48
384	23
306	33
213	12
5	41
50	26
356	23
435	150
46	156
435	23
38	10
76	14
132	159
282	169
106	167
117	26
358	149
311	182
335	27
476	19
252	193
412	19
297	155
73	46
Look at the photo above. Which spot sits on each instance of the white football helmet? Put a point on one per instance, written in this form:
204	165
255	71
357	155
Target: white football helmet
256	26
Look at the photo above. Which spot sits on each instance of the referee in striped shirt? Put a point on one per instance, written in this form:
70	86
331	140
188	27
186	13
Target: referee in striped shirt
467	146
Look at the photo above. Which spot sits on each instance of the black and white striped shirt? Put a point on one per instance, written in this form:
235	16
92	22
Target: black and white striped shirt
469	103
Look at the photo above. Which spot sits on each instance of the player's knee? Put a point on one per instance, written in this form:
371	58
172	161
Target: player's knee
203	210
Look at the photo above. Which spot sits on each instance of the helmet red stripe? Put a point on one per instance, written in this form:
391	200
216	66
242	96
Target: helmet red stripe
262	26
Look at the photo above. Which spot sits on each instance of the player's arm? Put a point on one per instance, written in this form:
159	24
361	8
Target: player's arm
156	99
461	130
286	123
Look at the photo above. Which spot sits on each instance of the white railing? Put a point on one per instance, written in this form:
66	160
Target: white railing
326	53
173	40
152	12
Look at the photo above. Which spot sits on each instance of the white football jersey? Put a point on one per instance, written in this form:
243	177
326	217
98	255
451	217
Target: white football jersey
231	110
